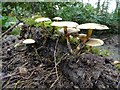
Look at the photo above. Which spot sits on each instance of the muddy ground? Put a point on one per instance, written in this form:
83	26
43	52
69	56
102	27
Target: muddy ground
48	64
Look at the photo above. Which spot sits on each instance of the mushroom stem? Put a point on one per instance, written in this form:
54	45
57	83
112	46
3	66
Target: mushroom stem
69	46
65	31
89	33
67	39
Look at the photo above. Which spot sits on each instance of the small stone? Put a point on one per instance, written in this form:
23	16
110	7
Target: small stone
76	87
22	70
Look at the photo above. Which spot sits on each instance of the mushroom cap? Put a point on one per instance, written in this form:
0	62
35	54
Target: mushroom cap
116	62
20	24
29	41
42	19
82	35
65	24
57	18
94	42
92	26
69	30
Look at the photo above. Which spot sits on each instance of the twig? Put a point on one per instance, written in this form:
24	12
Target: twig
69	46
36	52
49	75
54	67
24	64
30	75
55	82
61	58
7	83
10	75
79	48
10	29
16	84
55	57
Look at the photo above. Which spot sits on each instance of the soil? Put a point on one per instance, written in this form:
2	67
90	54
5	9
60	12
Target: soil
48	64
112	44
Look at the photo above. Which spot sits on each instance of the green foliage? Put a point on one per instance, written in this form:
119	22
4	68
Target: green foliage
48	24
74	40
100	52
16	31
29	21
72	11
7	21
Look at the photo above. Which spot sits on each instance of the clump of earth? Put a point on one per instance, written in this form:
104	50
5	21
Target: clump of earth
49	64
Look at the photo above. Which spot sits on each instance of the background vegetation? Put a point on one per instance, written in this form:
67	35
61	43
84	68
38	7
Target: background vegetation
73	11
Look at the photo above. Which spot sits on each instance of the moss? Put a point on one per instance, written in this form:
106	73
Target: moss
117	66
100	52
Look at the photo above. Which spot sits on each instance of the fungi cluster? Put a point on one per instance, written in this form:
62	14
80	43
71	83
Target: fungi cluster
69	28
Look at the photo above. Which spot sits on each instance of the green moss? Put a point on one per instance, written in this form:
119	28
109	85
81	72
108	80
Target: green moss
117	66
99	51
74	40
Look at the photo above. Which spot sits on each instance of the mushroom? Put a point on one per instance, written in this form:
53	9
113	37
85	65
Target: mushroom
42	20
90	27
57	18
94	42
81	37
65	25
116	62
69	30
29	43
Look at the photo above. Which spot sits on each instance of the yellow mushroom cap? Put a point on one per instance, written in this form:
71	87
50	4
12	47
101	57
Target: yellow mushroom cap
94	42
69	30
92	26
57	18
65	24
42	19
29	41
